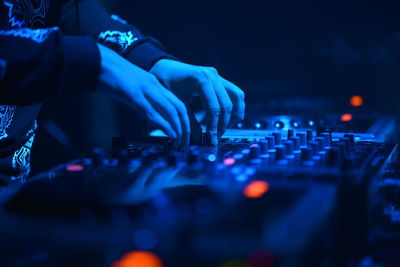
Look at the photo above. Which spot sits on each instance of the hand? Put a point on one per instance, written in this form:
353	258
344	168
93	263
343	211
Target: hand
224	101
144	93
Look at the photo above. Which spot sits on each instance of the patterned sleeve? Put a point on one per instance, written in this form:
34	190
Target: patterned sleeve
38	64
88	17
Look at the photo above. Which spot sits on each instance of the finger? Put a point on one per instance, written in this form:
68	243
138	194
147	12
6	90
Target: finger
163	105
210	101
225	104
183	116
238	100
154	117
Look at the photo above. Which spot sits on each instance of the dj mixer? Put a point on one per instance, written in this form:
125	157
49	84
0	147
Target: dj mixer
275	191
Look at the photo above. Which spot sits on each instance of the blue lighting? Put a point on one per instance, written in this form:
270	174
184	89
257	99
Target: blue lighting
311	123
145	239
212	157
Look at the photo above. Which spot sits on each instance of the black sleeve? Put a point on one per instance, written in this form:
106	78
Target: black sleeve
88	17
39	64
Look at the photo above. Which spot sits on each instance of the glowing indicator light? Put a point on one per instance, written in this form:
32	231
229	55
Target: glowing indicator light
356	101
212	157
138	258
346	117
75	167
256	189
229	161
311	123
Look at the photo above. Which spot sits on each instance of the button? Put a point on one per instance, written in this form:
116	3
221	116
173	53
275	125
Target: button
255	151
279	125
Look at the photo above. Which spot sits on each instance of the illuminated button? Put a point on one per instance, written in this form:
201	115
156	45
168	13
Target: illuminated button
75	168
356	101
229	161
279	125
259	125
295	124
256	189
346	117
240	125
139	258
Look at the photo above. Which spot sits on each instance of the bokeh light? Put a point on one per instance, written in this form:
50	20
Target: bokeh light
139	259
346	117
356	101
256	189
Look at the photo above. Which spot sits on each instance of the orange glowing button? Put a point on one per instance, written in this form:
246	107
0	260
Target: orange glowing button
356	101
138	259
256	189
346	117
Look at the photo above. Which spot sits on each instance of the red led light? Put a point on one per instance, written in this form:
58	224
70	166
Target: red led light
75	168
356	101
138	259
256	189
346	117
229	161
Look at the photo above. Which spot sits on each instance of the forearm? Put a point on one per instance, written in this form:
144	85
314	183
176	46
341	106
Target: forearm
112	32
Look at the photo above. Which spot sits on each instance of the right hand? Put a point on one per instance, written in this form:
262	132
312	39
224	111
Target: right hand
142	91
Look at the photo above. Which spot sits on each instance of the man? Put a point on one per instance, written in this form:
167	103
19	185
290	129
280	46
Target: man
49	48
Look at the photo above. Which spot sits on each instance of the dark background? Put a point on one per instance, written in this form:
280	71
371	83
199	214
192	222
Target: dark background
273	50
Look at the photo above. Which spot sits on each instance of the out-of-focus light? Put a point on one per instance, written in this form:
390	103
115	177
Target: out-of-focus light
75	168
138	259
311	123
346	117
256	189
212	157
234	263
229	161
279	125
356	101
260	258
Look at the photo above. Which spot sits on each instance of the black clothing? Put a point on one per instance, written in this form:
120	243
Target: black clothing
48	49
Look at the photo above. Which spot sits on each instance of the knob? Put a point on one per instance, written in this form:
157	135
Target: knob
296	142
289	145
351	138
333	156
263	146
307	155
321	143
271	142
290	134
255	151
347	142
314	147
278	138
280	153
310	135
303	139
328	139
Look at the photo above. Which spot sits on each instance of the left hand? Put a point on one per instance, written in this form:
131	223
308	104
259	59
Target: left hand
224	101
